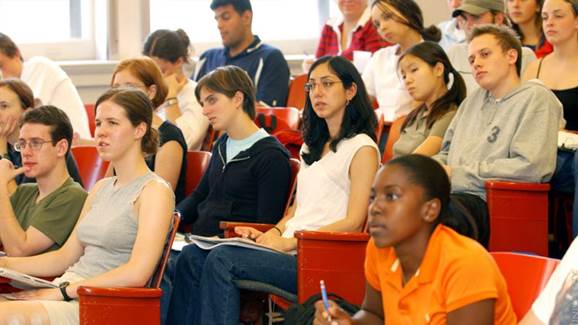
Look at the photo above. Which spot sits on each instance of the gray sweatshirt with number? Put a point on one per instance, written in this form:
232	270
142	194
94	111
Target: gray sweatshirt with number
514	138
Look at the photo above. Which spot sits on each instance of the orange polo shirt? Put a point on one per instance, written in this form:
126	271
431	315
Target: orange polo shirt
456	271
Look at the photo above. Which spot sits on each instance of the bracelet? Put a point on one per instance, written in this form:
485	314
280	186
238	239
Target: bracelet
171	101
279	230
62	288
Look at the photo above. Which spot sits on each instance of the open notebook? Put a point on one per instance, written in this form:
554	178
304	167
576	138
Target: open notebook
23	281
208	243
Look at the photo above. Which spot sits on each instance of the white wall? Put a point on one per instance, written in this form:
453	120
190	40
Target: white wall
434	11
93	77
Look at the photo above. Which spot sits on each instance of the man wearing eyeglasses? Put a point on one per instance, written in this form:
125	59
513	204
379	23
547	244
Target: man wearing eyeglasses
40	216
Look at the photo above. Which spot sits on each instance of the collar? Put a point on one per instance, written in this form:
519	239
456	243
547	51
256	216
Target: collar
429	265
255	45
336	23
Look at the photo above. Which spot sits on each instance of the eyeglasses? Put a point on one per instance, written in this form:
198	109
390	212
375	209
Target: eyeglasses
35	144
326	84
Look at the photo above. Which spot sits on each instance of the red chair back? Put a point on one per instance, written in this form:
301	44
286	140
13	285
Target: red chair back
526	276
392	137
275	119
209	139
91	116
157	277
295	165
90	166
297	94
380	125
197	163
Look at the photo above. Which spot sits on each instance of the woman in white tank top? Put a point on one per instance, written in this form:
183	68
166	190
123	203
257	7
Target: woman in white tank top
123	225
339	162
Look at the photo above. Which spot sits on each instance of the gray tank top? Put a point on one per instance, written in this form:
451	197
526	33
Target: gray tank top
108	230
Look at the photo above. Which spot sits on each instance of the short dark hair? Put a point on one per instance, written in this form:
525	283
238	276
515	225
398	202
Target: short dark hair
168	45
228	80
240	5
506	37
55	118
8	47
359	116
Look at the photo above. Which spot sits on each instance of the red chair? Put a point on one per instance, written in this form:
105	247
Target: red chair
210	138
91	117
392	137
526	276
127	305
291	139
275	119
297	94
380	125
90	166
197	163
518	216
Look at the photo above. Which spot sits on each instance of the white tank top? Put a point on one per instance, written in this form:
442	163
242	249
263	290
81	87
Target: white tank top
323	187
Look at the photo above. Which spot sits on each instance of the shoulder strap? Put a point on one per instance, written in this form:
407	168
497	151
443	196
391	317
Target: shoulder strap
539	68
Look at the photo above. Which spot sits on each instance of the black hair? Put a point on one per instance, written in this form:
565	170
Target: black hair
430	176
359	116
431	53
53	117
411	16
168	45
240	5
228	80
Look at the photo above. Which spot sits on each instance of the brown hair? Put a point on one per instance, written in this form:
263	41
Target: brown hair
146	70
506	38
139	109
8	47
411	16
228	80
53	117
21	89
168	45
537	23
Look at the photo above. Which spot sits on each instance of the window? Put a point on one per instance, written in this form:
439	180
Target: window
274	21
59	29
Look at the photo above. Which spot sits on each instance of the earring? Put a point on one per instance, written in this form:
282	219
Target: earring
346	103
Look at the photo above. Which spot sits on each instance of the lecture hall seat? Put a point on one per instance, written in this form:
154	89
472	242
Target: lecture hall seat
119	306
297	94
90	166
526	276
197	163
90	113
274	119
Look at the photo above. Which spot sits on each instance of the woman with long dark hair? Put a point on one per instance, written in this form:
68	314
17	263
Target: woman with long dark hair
431	79
339	161
399	22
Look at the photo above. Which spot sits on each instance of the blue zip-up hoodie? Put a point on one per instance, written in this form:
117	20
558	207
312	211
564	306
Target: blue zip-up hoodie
252	187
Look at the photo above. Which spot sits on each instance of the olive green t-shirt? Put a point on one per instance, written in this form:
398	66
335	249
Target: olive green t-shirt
416	133
55	215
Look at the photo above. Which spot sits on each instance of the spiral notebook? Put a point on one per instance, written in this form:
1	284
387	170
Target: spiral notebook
208	243
24	281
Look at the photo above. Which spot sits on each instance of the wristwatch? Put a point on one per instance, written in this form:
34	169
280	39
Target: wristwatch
171	101
62	286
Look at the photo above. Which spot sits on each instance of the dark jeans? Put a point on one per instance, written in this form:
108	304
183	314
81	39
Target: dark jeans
167	284
565	179
204	291
468	215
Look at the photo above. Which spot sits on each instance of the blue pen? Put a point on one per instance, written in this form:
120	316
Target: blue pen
324	297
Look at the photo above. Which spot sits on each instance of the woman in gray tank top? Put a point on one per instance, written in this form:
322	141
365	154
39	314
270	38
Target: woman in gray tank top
122	228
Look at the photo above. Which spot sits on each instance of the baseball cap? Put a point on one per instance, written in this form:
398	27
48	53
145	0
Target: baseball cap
478	7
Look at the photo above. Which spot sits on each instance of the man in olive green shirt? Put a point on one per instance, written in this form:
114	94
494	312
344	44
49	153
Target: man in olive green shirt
39	216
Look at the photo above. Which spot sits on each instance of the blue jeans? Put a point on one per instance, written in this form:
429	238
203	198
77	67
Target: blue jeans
167	284
204	291
565	180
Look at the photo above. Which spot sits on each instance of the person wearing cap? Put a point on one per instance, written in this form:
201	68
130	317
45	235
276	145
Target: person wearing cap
475	13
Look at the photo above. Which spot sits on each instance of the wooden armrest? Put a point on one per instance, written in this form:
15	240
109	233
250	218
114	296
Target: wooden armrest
333	236
230	225
120	292
517	186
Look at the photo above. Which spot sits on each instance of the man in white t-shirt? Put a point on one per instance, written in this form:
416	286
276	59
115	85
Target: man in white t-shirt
49	83
558	302
475	13
452	32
